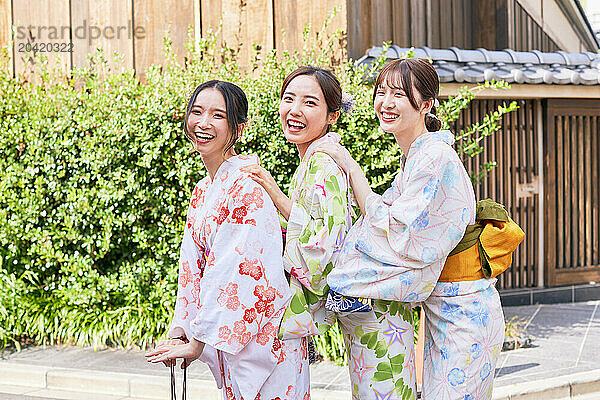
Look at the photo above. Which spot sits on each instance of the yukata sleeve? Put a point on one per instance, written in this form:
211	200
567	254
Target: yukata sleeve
243	291
190	256
416	232
322	222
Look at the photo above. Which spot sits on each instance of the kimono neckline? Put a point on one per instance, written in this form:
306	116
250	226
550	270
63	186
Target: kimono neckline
328	137
444	136
236	162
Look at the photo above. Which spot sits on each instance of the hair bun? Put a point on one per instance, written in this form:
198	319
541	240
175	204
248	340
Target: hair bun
432	123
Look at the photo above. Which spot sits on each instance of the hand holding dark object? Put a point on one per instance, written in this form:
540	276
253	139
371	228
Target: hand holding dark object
169	351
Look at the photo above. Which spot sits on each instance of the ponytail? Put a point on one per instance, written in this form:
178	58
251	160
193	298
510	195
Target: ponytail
432	123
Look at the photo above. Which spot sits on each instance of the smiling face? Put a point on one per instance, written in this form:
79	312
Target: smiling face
394	110
207	123
303	112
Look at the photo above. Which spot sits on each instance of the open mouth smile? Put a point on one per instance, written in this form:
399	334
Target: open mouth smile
203	137
388	117
295	126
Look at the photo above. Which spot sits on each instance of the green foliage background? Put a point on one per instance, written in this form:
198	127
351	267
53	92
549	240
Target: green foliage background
95	176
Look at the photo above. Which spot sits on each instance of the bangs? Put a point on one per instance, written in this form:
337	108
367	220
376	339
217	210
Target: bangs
397	74
393	79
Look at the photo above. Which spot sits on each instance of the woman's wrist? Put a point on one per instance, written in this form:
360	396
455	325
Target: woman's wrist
283	204
196	345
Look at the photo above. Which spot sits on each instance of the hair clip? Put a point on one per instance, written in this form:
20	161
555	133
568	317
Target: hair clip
436	103
347	103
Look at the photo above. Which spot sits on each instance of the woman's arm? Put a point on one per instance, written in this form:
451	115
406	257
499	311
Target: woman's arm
241	287
358	180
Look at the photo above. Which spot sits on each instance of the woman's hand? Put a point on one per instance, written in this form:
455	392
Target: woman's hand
264	178
339	153
165	344
358	180
169	351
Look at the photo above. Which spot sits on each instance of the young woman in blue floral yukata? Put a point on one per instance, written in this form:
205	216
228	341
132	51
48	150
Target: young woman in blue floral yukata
232	291
398	249
317	212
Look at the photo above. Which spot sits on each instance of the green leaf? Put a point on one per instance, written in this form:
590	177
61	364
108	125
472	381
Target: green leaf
298	304
382	376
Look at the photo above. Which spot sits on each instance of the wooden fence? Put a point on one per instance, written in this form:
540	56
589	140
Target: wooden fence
136	28
514	182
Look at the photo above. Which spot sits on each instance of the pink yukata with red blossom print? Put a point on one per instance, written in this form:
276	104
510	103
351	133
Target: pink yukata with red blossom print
232	291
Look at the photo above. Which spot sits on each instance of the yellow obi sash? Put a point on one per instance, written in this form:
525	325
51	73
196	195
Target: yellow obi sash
493	239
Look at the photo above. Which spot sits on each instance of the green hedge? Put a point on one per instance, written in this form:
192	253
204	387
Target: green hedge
95	176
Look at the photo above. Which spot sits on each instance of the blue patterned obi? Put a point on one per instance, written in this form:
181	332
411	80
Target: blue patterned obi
340	303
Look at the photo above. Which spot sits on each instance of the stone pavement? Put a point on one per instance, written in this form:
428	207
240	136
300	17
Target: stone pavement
563	362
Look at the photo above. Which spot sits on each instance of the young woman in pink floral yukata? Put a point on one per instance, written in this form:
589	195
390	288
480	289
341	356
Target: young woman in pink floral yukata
398	249
232	291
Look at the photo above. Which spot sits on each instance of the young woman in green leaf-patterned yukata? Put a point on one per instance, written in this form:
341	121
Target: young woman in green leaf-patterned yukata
317	212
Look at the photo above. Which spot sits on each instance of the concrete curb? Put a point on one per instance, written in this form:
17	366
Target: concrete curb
580	386
119	385
100	382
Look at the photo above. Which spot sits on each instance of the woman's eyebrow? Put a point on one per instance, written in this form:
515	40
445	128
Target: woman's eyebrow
309	96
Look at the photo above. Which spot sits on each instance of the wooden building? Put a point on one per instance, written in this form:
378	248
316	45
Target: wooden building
135	28
548	150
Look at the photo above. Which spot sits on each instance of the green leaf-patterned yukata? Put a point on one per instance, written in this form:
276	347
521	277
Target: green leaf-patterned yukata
379	342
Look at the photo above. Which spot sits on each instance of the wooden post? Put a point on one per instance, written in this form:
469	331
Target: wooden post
6	31
551	188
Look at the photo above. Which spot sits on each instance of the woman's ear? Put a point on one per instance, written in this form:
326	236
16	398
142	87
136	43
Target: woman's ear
332	117
427	106
241	128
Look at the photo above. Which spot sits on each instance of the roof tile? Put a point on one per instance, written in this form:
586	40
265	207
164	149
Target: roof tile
480	65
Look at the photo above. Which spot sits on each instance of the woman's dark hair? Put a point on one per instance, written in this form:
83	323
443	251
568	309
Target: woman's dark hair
330	86
236	108
409	73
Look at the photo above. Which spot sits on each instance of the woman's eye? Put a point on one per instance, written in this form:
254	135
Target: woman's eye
287	98
311	103
398	94
219	116
379	93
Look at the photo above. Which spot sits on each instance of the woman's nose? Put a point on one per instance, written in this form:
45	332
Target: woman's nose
295	108
204	121
387	101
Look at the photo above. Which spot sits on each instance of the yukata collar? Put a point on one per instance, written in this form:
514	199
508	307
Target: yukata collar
444	136
234	163
328	137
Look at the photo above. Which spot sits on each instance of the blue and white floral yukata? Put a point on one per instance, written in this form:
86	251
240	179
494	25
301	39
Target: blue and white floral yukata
397	251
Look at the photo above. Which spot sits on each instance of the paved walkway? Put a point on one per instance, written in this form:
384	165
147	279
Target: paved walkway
566	341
